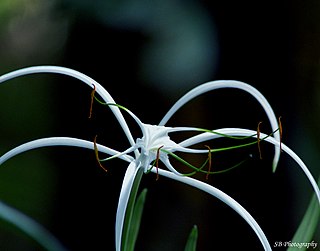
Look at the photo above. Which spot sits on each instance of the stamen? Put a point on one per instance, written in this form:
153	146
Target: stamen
92	98
280	131
97	154
258	138
209	162
157	161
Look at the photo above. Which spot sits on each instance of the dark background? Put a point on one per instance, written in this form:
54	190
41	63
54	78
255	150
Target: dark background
147	55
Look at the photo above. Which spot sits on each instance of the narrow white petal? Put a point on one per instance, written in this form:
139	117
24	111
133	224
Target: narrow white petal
60	141
224	198
229	84
123	201
78	75
169	166
124	153
209	136
189	150
245	132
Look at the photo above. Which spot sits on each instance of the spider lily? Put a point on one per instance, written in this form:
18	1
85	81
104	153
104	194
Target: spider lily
156	145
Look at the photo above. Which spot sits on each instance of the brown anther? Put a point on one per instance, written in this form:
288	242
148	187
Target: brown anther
209	162
92	98
258	139
97	154
280	131
157	161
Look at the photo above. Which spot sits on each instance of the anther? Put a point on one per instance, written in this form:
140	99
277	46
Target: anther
92	98
280	131
97	154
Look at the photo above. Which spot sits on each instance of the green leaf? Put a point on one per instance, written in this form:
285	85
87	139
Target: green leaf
192	240
130	212
308	225
135	221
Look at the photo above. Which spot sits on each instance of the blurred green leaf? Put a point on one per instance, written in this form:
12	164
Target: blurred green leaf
308	225
192	240
30	227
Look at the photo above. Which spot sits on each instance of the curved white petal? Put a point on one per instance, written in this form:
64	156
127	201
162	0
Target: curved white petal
123	201
60	141
213	85
209	136
78	75
224	198
245	132
167	163
124	153
183	146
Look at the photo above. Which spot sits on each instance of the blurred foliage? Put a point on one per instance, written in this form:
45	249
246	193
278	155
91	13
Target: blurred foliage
180	48
191	244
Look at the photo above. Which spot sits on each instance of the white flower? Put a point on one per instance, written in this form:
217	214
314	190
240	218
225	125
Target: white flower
155	145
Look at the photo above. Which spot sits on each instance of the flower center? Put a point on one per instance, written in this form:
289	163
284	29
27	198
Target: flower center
154	138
